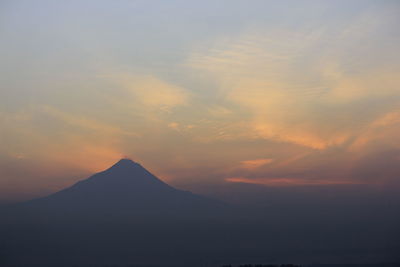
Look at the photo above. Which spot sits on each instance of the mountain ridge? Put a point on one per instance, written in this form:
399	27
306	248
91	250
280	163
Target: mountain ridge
125	189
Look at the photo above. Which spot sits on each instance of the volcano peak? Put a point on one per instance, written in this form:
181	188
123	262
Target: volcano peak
125	161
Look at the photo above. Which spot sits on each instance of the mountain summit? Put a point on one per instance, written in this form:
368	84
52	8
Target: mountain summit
122	176
124	188
125	164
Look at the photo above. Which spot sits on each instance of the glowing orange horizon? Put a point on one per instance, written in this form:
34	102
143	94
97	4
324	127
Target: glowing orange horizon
288	181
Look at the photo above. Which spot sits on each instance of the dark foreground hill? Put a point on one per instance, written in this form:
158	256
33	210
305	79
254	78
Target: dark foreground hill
127	216
124	191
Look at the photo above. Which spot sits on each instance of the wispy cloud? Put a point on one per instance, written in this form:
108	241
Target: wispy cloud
289	182
151	92
255	163
303	87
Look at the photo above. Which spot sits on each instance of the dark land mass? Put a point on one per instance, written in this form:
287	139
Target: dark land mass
125	216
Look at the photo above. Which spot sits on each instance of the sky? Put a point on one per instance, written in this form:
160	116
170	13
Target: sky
272	93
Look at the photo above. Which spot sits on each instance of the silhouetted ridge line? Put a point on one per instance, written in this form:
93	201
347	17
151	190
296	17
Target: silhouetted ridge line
125	188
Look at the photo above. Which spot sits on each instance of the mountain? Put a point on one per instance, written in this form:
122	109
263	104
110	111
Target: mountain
125	189
125	215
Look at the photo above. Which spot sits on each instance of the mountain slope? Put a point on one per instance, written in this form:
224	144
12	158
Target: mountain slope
126	189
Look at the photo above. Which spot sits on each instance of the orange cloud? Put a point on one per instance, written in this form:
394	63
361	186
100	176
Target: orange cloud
255	163
150	92
383	131
288	181
296	94
68	140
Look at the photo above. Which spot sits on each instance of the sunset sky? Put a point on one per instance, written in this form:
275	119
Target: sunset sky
277	93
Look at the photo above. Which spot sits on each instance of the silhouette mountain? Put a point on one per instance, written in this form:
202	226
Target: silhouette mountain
126	215
126	189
